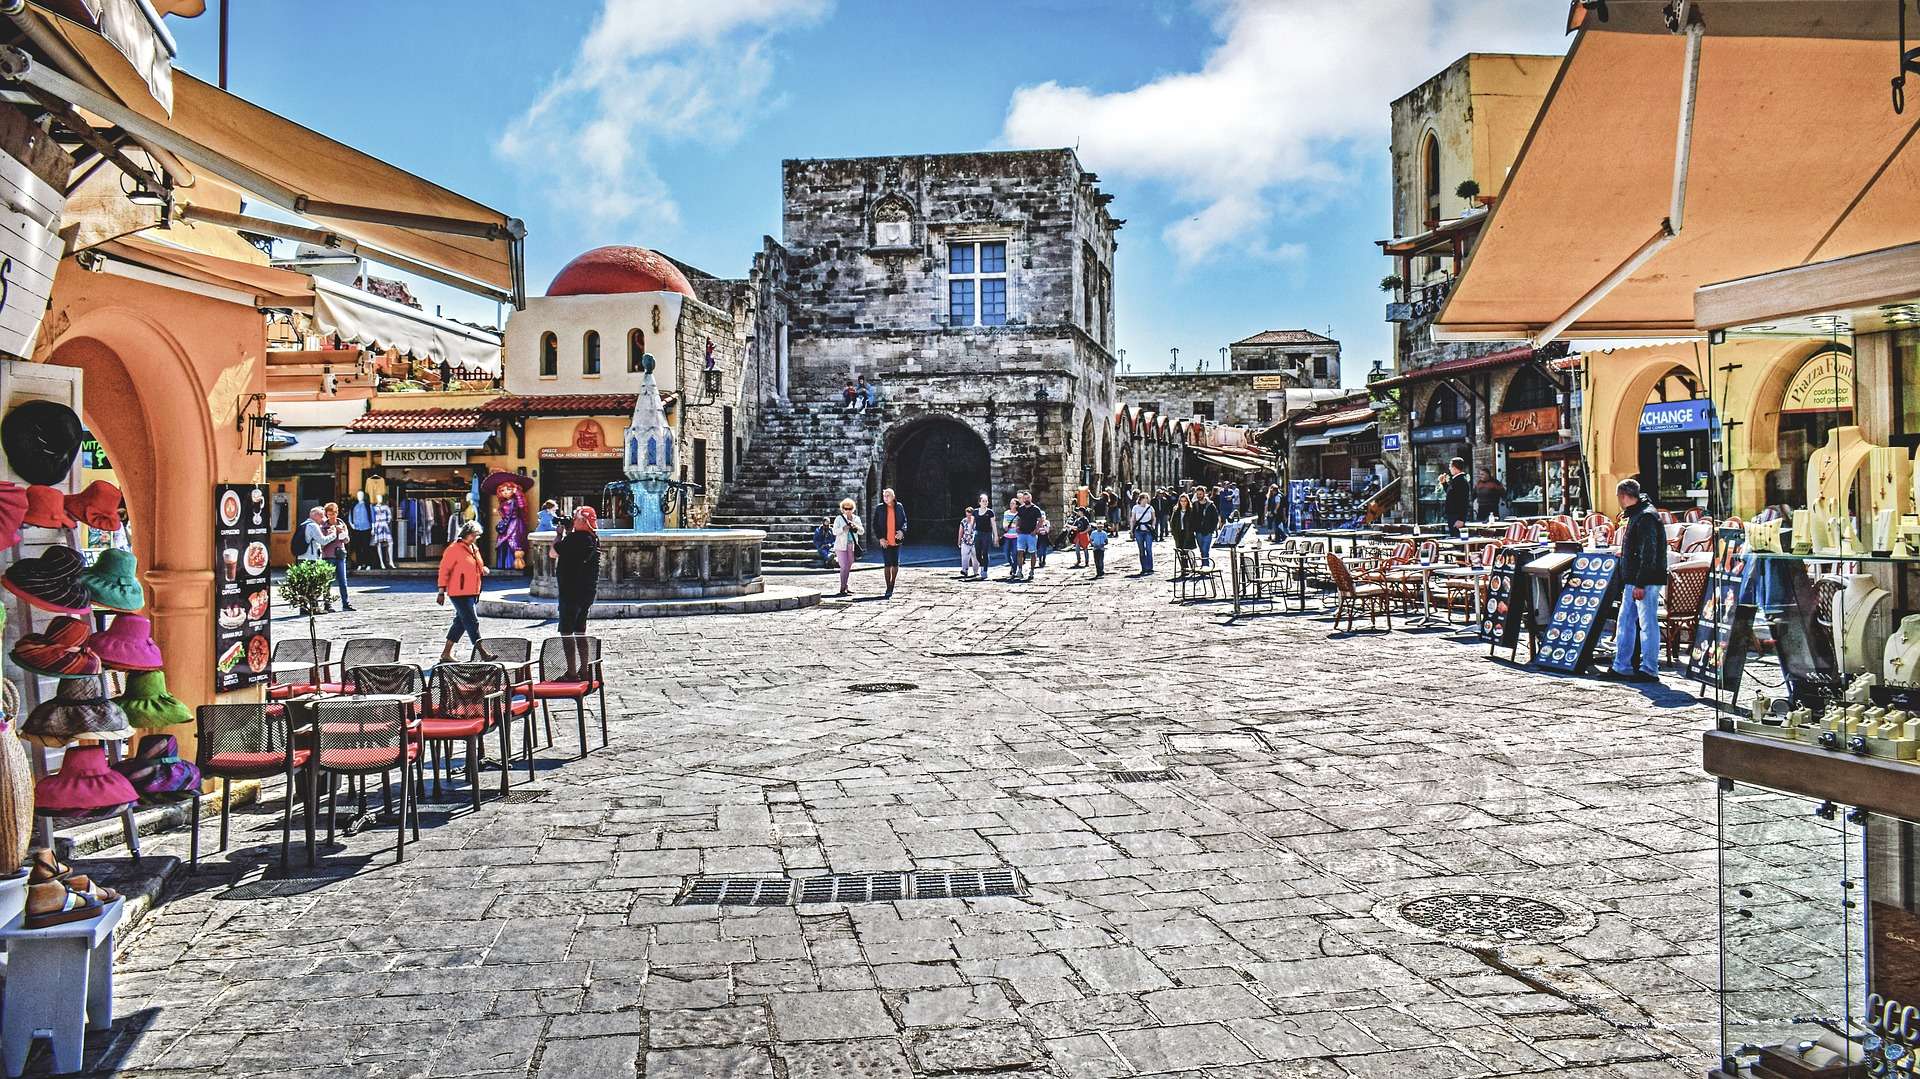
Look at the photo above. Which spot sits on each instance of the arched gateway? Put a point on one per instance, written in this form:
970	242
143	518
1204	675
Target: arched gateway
937	466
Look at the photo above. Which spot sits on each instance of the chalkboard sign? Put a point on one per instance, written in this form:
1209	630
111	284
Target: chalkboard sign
1508	598
1588	600
1726	617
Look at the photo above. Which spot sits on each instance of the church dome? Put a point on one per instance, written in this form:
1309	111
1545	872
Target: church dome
609	271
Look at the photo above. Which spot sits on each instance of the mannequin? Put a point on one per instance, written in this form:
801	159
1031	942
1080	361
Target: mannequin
382	533
1862	620
360	530
1901	666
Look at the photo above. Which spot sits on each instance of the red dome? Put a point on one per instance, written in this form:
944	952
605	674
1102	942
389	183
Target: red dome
609	271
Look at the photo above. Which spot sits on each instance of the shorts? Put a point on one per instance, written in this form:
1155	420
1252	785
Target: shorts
1028	542
890	555
573	615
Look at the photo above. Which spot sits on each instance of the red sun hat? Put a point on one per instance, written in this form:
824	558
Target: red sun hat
46	508
584	517
13	512
98	505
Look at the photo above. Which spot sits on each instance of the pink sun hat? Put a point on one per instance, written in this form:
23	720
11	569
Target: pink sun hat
127	644
86	785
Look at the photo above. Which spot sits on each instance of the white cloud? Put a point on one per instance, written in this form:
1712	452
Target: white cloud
648	72
1294	88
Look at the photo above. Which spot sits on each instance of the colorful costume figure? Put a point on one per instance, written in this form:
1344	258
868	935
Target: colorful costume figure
510	533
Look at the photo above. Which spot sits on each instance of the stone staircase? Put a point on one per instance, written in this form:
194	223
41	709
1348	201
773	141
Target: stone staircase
804	459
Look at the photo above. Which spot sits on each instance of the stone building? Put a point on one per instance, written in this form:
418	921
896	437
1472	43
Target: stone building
1308	360
1268	375
1464	126
975	290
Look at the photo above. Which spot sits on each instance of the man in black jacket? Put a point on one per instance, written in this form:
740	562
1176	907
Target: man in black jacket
1643	572
1459	494
1206	521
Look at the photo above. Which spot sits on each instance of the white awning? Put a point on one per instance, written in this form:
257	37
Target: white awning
294	415
413	440
1348	430
1313	440
304	444
361	318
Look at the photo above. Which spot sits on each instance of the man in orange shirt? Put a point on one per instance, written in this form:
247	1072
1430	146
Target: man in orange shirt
889	527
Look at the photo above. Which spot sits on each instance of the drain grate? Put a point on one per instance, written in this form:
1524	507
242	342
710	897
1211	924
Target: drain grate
1157	775
852	888
522	797
883	687
1484	915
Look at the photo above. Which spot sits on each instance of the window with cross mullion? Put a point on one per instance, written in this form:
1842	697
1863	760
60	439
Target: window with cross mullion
977	283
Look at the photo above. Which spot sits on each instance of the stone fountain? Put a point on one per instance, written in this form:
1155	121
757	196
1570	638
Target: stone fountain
651	570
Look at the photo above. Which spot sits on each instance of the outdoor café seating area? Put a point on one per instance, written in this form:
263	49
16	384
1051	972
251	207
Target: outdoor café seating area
350	714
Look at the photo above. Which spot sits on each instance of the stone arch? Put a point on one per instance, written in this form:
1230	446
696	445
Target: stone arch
938	464
1089	450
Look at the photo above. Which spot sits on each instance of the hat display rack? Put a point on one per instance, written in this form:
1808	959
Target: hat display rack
45	576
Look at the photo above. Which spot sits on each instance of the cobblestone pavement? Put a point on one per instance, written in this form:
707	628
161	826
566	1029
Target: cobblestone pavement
1238	919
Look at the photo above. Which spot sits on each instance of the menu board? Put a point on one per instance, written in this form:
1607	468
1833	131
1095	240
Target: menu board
1587	602
1720	641
243	593
1507	604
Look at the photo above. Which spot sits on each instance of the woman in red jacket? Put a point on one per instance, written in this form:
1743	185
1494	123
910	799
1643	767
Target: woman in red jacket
461	571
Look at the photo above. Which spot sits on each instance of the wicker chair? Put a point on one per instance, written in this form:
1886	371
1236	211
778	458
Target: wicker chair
465	701
1370	597
1686	588
358	652
361	738
290	681
247	741
570	671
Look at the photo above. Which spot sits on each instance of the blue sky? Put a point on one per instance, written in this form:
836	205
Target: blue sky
1245	140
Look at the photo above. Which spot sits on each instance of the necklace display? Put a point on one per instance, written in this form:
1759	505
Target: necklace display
1902	663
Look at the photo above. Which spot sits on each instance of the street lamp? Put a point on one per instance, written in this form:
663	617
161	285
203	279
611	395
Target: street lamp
1223	357
1175	365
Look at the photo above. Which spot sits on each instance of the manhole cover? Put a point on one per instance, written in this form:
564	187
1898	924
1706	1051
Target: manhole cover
883	687
1484	914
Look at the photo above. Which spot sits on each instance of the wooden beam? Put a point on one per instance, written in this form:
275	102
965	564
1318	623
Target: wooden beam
1867	280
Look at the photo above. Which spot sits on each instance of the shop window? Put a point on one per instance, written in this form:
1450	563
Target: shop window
1264	410
977	284
590	354
549	356
1203	410
636	348
1529	389
1906	385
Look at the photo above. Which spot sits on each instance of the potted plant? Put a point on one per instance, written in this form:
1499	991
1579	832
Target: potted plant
1468	190
1391	283
305	588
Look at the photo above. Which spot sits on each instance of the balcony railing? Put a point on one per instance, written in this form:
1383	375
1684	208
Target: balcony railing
1420	301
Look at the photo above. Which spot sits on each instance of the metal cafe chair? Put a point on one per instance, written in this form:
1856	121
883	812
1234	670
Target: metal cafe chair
398	680
360	738
247	741
357	652
297	667
516	655
466	701
570	671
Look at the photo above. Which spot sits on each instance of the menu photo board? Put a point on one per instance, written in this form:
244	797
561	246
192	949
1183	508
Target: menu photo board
243	592
1508	598
1588	600
1725	629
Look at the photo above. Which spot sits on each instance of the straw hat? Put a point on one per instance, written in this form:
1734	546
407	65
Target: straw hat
78	710
50	581
148	704
41	439
85	786
47	508
127	644
113	583
98	505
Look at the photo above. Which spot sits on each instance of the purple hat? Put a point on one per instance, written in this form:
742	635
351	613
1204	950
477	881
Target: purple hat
157	770
127	644
51	581
84	787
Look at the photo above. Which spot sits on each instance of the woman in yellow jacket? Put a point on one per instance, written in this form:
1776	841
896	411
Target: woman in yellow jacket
461	571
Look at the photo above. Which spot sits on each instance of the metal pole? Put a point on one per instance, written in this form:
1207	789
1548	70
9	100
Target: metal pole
224	6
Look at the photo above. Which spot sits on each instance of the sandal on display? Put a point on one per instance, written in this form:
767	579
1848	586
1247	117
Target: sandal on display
46	867
47	871
54	903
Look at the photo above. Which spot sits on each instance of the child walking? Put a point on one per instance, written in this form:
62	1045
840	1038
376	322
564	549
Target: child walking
1097	543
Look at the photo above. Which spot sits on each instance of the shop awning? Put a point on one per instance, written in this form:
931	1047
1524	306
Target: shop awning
304	443
1456	367
361	318
1797	156
412	440
1230	462
293	415
425	228
1348	430
1313	440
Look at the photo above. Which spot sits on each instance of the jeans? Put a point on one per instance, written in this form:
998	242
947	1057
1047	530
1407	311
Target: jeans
465	619
1206	548
1144	538
340	577
1639	621
1099	561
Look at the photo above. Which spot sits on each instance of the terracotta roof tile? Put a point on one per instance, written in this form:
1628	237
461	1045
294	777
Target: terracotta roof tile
420	419
562	404
1286	337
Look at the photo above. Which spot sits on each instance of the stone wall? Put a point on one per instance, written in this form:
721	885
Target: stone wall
1230	395
702	410
1318	364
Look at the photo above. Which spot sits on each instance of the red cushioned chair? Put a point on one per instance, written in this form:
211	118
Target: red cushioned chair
570	671
247	741
288	680
336	676
464	702
366	738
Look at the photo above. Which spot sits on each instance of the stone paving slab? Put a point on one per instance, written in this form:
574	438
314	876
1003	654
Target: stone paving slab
1233	920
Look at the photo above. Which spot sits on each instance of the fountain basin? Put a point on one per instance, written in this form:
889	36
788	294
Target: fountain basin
675	563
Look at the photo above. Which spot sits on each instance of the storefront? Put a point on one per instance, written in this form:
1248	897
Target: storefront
428	481
577	473
1817	400
1676	462
1438	440
1535	482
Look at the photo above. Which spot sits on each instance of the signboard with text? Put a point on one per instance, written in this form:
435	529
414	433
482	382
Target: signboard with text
1823	384
1445	432
1525	423
1666	417
243	595
437	456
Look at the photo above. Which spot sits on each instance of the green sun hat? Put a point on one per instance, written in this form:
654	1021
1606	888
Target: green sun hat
148	704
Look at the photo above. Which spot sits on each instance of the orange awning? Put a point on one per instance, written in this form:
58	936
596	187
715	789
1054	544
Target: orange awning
1797	156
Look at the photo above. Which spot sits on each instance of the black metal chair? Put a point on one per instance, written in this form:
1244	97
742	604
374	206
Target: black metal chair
358	652
465	701
287	680
516	655
247	741
365	738
570	671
